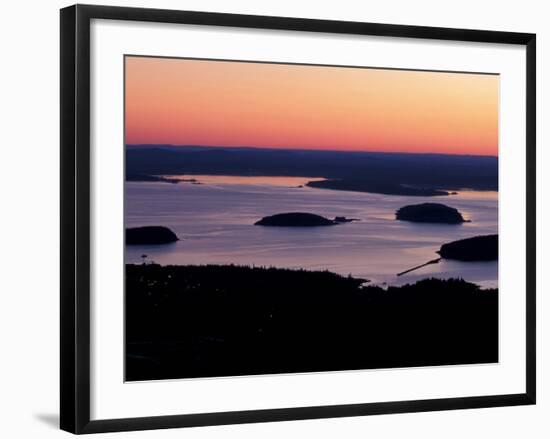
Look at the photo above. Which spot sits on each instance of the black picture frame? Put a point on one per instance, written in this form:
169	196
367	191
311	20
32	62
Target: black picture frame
75	217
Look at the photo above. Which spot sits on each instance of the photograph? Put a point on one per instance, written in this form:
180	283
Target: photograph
285	218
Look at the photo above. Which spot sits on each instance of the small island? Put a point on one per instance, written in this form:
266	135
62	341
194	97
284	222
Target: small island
150	178
295	219
160	178
150	235
430	213
478	248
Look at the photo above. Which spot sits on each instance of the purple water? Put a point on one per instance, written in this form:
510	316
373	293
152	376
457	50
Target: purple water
214	221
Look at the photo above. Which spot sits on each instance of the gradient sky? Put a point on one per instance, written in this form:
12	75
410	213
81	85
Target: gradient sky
219	103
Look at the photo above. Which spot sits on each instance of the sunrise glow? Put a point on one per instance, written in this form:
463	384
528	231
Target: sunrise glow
220	103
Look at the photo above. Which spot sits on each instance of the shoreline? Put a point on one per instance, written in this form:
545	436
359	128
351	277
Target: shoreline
320	183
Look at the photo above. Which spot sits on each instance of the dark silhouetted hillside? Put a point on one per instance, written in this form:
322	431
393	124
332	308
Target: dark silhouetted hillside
200	321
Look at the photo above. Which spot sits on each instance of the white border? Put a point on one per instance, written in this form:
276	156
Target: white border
112	398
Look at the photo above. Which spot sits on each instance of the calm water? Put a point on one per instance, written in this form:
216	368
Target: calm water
214	221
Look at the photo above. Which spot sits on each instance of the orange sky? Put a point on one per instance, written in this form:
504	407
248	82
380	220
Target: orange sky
195	102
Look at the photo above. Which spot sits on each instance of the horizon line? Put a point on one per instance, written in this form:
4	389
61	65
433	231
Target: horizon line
298	149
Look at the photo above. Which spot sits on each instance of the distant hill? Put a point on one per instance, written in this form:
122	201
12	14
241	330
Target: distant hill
434	171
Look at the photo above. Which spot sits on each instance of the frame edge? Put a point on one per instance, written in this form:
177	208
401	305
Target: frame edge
75	219
68	391
303	24
531	216
303	413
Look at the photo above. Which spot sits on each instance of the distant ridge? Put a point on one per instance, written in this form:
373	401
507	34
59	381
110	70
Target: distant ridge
384	169
169	146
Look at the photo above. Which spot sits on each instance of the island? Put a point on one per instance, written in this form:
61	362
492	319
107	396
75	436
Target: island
478	248
375	187
150	235
295	219
430	213
150	178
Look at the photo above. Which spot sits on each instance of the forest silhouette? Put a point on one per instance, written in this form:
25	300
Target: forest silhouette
227	320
